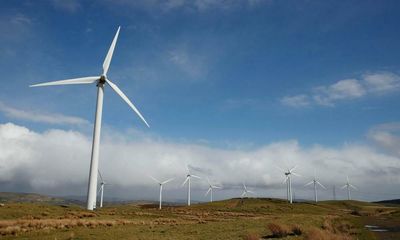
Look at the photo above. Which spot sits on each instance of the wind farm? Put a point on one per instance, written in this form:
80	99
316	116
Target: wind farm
269	120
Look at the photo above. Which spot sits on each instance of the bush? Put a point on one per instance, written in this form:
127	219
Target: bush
296	230
251	236
278	230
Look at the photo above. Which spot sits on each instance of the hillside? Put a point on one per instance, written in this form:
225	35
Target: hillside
253	218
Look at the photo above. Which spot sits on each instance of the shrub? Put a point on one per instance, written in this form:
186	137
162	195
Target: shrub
296	230
251	236
278	230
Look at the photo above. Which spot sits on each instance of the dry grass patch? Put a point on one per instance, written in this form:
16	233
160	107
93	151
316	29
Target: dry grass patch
15	227
319	234
278	230
251	236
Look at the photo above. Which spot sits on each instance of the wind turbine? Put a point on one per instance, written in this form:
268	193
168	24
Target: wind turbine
187	180
246	191
161	187
348	185
100	82
211	188
101	189
315	182
288	181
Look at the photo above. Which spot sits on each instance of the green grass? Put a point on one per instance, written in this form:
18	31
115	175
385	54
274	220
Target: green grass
229	219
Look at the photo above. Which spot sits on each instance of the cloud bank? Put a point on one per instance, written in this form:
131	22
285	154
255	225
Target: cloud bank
57	162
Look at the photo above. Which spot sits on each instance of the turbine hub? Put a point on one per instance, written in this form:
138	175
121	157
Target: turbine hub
102	79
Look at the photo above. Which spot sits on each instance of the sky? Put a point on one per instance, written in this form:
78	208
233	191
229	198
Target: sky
234	89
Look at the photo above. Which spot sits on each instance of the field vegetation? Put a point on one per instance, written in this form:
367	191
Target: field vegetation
253	218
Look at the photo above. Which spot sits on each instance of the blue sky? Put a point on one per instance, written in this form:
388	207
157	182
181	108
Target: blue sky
226	74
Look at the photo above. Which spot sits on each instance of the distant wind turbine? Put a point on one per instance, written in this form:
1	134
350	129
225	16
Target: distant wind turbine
100	82
246	191
315	182
210	189
101	189
161	187
288	181
348	185
187	180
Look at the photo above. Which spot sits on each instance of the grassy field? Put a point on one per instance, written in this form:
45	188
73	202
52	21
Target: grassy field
230	219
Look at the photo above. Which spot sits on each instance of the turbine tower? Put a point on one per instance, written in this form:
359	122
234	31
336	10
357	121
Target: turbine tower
100	82
161	187
246	191
187	180
101	189
210	189
348	185
315	182
288	181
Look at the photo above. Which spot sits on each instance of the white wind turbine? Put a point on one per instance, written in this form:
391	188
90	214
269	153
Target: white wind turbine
100	82
187	180
315	182
348	185
101	189
161	187
288	181
211	188
246	191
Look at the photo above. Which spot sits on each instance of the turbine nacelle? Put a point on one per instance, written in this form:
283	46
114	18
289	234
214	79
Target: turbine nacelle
102	79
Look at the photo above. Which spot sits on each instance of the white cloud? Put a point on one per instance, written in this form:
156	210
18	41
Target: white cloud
301	100
55	159
70	6
191	64
382	82
32	116
195	5
387	136
341	90
346	89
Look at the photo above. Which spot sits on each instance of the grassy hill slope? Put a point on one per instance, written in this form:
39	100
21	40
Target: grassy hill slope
253	218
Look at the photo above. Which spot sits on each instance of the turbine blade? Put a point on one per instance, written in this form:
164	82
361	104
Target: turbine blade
280	169
183	184
219	187
293	168
155	179
244	186
309	183
354	187
126	99
107	60
244	193
284	181
101	177
321	185
344	186
167	181
208	181
209	189
251	192
82	80
195	176
295	174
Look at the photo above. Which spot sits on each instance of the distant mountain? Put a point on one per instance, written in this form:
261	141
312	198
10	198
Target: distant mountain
392	201
26	197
